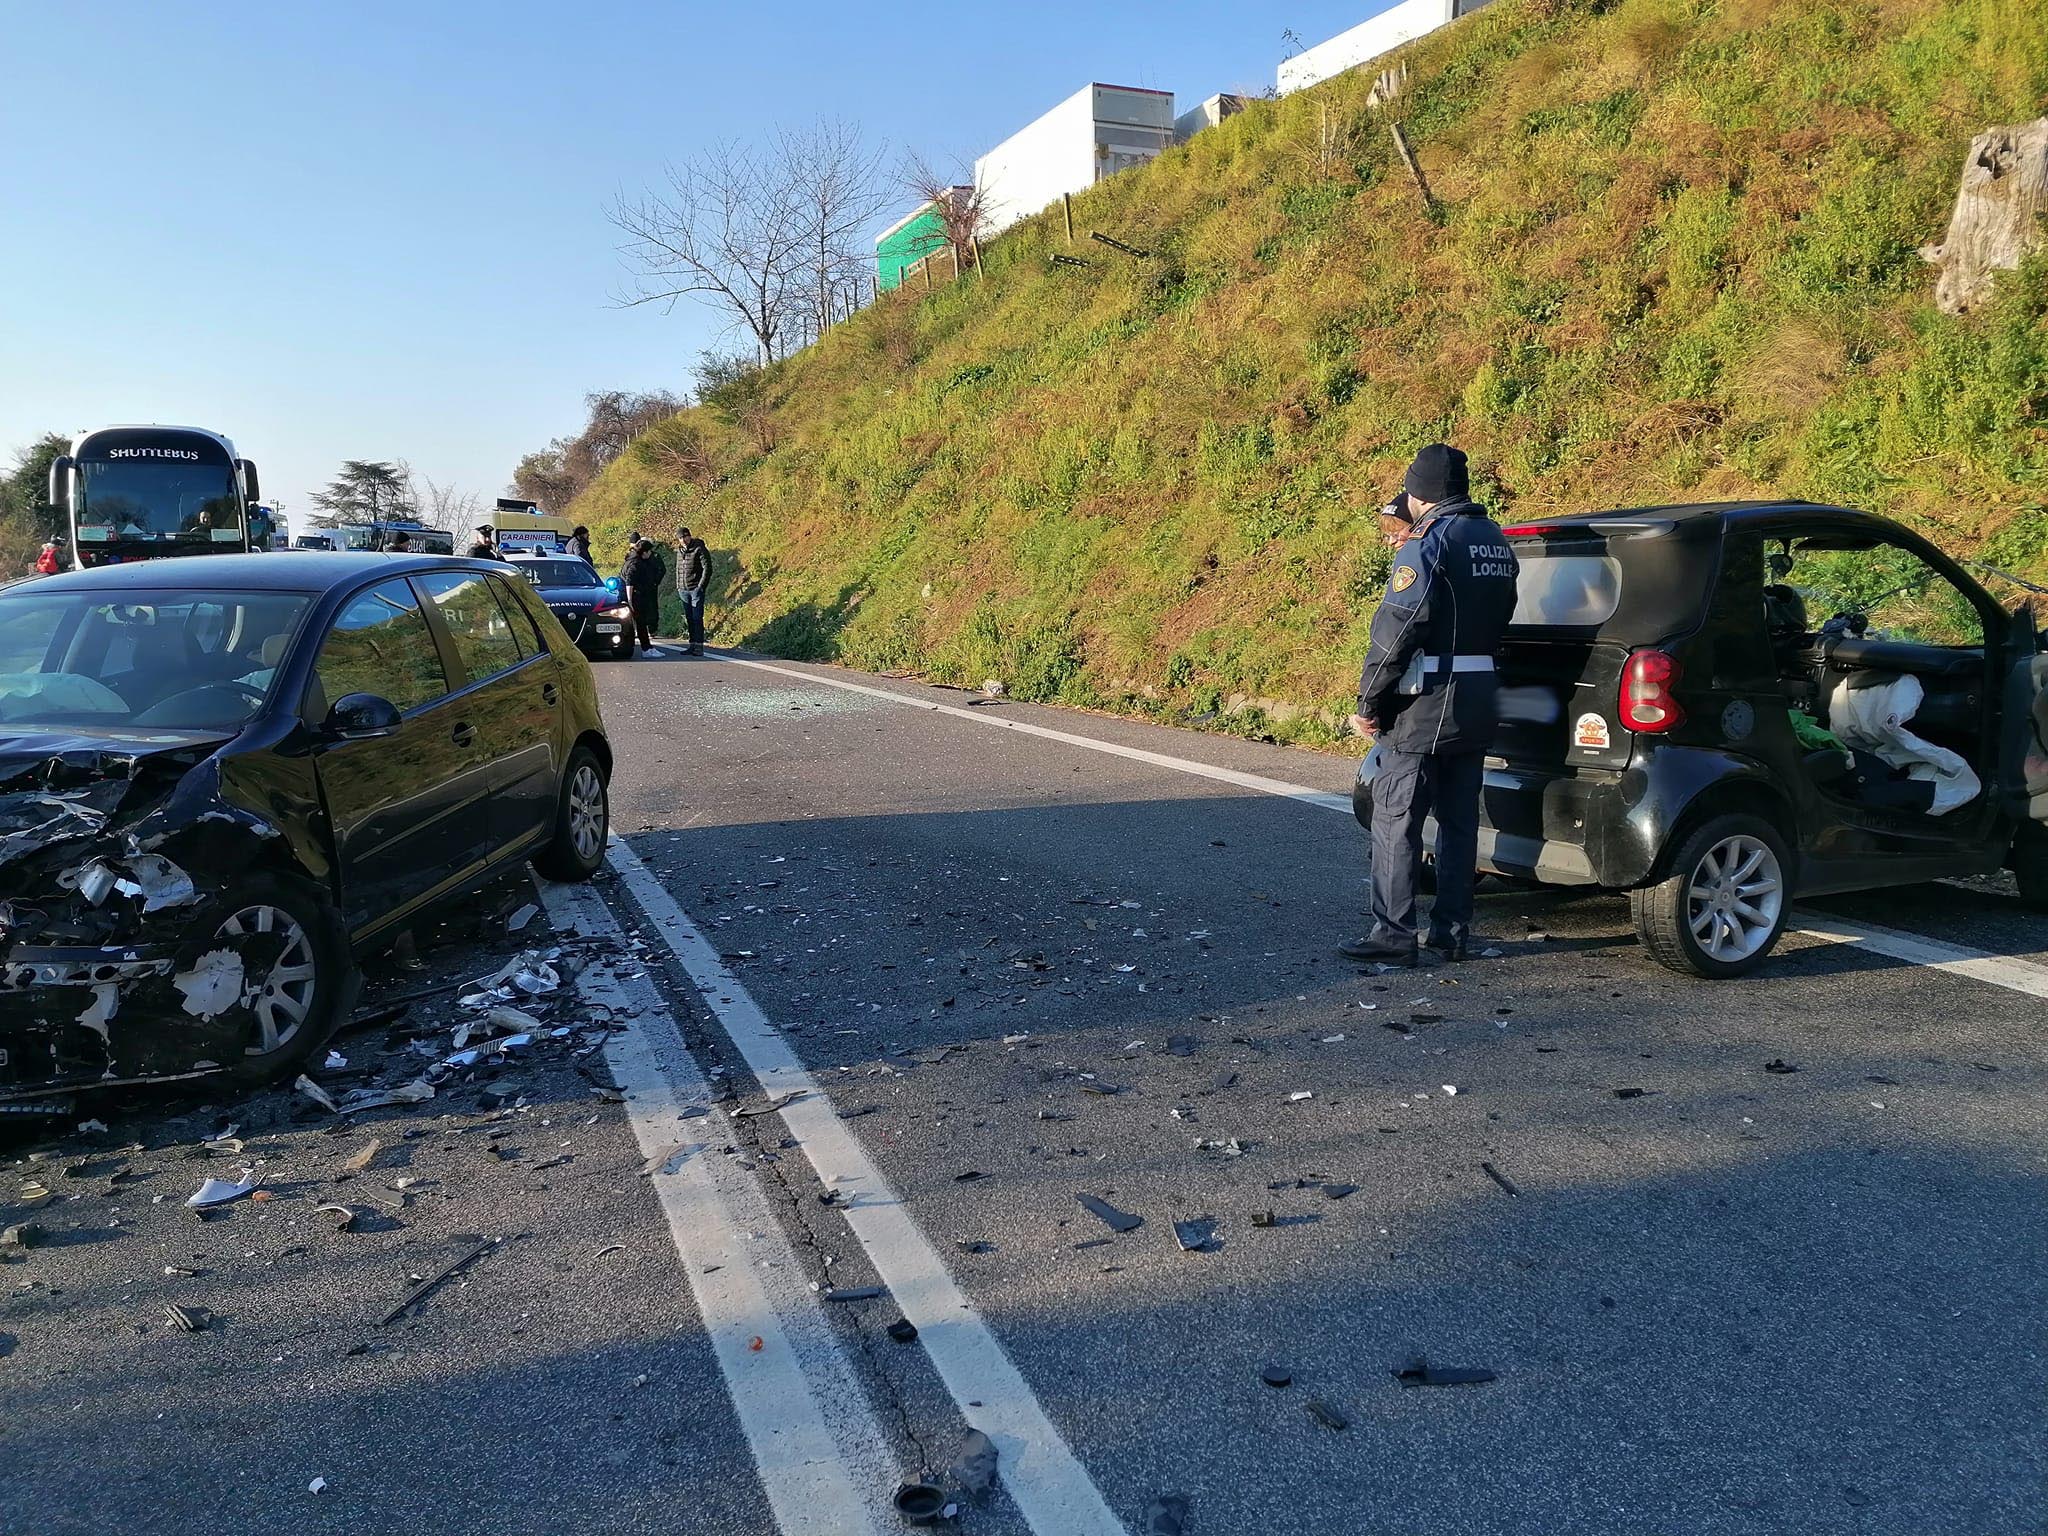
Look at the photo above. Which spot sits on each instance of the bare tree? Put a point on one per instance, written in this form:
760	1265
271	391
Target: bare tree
839	187
444	506
728	229
962	205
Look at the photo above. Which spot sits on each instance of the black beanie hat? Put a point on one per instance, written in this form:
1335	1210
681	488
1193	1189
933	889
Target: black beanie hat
1438	474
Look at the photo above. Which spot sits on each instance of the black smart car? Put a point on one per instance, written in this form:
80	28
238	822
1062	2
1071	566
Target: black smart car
222	777
1721	708
591	609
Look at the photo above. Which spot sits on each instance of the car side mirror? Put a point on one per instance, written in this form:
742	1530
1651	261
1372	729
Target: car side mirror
60	481
361	717
613	585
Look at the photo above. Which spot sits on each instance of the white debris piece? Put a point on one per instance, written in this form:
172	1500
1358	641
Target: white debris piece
213	985
418	1091
318	1485
518	920
1450	1091
1299	1094
159	882
221	1191
316	1093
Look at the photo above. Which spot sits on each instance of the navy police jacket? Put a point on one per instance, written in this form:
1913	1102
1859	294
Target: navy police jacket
1428	680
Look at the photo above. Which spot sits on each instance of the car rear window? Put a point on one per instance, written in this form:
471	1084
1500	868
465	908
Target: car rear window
1580	589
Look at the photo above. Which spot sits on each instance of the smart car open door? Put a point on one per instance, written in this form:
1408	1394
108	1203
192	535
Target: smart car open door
2024	755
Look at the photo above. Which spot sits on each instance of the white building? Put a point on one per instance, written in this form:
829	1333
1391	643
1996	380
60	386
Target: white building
1369	40
1207	115
1096	132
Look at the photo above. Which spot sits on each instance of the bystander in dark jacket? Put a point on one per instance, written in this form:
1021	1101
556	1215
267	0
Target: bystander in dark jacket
693	580
642	574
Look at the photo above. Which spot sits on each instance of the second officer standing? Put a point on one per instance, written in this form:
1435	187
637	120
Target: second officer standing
1429	695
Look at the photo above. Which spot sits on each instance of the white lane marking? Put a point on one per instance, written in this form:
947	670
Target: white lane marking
1998	970
825	1466
1047	1482
2016	975
1259	782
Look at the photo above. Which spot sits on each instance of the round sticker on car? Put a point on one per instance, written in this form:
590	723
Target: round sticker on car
1591	731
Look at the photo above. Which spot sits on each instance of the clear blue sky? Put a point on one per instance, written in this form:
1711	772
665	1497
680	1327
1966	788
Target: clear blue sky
376	230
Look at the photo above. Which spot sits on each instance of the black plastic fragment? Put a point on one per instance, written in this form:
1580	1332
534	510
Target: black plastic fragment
853	1293
1116	1220
1779	1066
1339	1191
1499	1178
1630	1093
1262	1218
1276	1376
1180	1045
919	1503
903	1331
1327	1416
1168	1514
1418	1372
1195	1235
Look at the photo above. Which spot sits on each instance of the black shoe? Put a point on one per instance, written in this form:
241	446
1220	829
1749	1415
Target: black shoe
1373	947
1448	948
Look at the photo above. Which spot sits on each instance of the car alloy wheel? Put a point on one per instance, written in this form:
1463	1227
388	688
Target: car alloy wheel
1734	898
587	812
280	995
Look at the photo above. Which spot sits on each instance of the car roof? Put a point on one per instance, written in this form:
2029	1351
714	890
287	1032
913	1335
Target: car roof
1744	512
278	571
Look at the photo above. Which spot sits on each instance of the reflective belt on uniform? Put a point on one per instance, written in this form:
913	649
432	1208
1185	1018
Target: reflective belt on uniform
1422	666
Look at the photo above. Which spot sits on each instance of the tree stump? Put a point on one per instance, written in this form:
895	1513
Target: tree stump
2001	214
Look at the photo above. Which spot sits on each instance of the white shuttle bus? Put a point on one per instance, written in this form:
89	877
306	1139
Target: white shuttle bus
141	493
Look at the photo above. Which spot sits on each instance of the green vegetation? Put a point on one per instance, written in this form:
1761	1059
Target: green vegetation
1674	257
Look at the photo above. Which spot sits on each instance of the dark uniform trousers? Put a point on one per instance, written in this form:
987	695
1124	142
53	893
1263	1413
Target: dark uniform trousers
1428	681
1407	788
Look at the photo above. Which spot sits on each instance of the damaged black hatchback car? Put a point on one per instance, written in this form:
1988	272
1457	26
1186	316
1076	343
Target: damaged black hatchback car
221	778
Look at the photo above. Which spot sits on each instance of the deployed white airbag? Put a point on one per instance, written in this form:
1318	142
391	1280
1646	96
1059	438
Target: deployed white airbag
1874	720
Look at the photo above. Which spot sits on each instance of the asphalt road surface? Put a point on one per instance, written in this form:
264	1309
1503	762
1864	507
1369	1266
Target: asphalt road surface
874	991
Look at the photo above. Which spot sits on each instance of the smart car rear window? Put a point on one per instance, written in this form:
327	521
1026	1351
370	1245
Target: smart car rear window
1578	589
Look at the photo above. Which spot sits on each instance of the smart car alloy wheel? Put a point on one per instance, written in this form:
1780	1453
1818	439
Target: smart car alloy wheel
1734	898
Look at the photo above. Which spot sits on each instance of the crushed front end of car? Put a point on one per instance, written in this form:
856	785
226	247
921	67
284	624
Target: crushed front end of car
119	860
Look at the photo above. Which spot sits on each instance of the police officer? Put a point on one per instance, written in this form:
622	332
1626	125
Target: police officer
1428	693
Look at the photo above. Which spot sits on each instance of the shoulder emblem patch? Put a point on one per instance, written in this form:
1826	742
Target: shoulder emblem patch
1404	577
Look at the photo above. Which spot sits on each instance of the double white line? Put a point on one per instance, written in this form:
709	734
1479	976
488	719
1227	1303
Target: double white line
825	1467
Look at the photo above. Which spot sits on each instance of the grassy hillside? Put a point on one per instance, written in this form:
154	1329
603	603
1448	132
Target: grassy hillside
1674	257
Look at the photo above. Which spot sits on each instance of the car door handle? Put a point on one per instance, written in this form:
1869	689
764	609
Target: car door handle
549	692
464	734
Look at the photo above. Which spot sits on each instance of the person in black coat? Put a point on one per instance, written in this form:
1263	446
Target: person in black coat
642	575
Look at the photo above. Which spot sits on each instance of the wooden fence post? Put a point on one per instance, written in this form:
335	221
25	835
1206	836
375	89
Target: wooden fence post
1067	207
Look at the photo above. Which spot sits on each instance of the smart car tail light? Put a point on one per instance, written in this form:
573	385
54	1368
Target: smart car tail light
1647	703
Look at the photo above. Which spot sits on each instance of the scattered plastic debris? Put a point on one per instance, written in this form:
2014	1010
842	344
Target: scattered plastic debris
1499	1178
1229	1146
919	1503
1116	1220
434	1281
220	1191
973	1472
20	1237
1339	1191
1167	1515
1276	1376
1263	1219
1450	1090
1418	1372
345	1216
418	1091
903	1331
1779	1067
853	1292
1195	1235
1299	1094
1325	1415
92	1127
359	1162
1630	1093
318	1485
517	922
187	1319
312	1090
